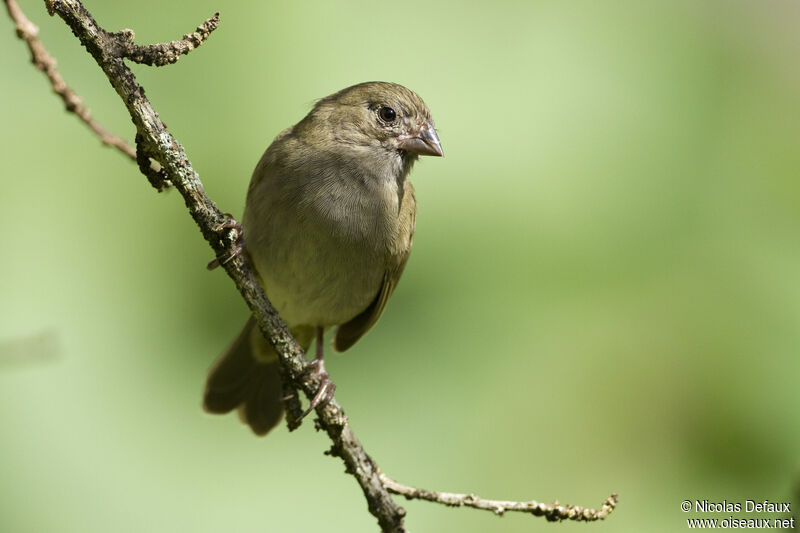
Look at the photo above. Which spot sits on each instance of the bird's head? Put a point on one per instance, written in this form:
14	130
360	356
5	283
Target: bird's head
378	117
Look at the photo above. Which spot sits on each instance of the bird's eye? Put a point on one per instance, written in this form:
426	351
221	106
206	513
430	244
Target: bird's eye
387	114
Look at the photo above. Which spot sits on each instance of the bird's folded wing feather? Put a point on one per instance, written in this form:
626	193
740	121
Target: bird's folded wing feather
349	332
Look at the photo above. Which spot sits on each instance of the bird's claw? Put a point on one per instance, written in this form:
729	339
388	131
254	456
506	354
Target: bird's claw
238	245
326	389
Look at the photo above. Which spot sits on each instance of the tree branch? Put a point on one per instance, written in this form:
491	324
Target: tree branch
162	159
158	55
552	511
159	144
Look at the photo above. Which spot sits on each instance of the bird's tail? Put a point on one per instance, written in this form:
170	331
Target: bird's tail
246	377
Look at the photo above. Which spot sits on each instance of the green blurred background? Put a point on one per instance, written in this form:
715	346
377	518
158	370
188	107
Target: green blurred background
604	293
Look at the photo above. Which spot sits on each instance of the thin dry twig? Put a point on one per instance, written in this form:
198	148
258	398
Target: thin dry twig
552	511
42	60
162	159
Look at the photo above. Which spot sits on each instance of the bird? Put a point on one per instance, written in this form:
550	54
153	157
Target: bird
328	225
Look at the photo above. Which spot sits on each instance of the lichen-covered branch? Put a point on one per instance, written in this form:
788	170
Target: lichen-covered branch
163	161
165	53
552	511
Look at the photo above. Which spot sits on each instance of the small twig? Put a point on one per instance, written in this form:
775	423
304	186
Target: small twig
552	511
291	403
149	166
41	58
157	55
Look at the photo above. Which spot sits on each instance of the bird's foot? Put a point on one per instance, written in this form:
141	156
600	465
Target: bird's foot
326	388
238	244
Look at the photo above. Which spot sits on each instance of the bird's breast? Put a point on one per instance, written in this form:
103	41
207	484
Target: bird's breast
322	243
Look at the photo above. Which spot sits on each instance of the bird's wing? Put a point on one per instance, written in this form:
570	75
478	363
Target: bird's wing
348	333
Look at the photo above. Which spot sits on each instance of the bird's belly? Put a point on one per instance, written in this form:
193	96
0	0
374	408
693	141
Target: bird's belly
313	282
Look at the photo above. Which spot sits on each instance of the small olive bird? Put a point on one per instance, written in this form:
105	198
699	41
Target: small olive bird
328	224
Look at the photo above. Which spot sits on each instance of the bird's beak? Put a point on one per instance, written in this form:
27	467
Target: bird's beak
425	142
